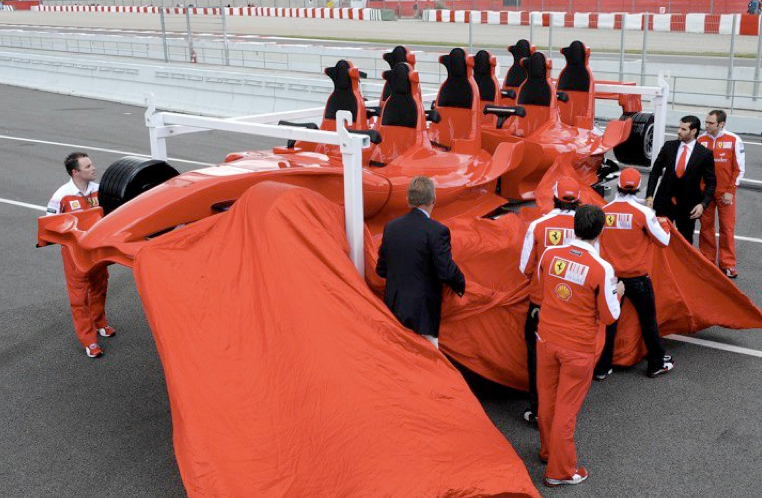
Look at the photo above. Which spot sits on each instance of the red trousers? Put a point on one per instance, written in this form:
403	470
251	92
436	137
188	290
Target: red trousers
563	380
707	242
87	298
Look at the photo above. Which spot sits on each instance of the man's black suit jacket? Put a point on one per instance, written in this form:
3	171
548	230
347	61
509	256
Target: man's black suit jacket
416	260
686	190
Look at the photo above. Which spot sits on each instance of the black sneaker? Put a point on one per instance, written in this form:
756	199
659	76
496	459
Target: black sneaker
601	376
666	367
530	417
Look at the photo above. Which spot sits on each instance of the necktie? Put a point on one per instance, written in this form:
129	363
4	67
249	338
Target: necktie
680	170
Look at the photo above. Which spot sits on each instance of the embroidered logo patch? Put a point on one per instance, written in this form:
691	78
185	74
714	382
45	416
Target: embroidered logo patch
558	236
569	270
74	205
563	292
622	221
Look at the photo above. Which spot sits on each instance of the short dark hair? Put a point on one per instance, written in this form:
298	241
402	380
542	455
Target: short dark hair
694	123
565	205
721	116
72	161
588	222
627	191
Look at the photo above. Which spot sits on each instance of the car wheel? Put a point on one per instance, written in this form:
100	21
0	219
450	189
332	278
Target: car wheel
638	148
129	177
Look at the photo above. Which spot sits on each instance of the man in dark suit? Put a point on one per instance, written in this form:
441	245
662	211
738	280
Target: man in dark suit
684	164
416	261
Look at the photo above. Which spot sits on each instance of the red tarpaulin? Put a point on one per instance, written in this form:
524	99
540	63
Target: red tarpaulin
288	377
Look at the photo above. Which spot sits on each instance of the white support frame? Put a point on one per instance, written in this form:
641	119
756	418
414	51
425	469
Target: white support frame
660	101
162	125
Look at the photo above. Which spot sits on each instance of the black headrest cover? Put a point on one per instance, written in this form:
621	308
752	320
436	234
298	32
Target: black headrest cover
342	98
398	54
483	75
516	73
536	90
456	90
575	76
400	108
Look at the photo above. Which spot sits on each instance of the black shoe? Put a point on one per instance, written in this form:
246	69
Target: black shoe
530	417
601	376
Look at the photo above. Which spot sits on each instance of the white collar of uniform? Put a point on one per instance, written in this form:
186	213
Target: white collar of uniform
565	212
627	198
584	245
424	212
721	133
690	144
90	188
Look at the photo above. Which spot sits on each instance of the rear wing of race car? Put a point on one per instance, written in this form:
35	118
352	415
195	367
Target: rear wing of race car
629	97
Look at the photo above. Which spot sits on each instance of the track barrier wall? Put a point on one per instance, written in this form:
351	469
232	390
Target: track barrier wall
307	13
746	24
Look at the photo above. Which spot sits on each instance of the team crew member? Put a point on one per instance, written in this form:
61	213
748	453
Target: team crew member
629	235
87	291
729	168
579	291
685	163
416	260
554	229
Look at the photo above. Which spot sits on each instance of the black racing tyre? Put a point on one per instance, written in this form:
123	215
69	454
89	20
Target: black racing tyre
638	147
129	177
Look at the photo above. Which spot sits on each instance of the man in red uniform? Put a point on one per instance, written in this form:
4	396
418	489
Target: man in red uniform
554	229
729	168
629	235
580	293
87	291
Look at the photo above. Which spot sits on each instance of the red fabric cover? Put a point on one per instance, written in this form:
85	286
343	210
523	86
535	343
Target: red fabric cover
691	293
288	377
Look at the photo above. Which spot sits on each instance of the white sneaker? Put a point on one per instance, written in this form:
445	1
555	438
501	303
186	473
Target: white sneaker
93	350
577	478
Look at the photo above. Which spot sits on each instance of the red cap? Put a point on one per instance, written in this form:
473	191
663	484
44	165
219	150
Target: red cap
566	189
629	179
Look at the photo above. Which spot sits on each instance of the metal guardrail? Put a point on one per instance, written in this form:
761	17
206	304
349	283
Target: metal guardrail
739	93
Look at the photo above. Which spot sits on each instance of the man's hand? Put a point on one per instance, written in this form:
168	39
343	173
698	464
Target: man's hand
650	202
619	290
697	211
727	199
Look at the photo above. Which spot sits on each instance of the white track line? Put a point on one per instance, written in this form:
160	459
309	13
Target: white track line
24	204
715	345
98	149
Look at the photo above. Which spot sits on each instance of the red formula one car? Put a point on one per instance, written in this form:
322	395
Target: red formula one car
477	166
554	118
466	176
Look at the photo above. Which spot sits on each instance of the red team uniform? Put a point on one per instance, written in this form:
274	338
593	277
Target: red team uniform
630	232
551	230
87	291
729	168
579	297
